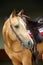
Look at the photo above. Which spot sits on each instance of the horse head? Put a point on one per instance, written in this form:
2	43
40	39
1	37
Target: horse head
17	29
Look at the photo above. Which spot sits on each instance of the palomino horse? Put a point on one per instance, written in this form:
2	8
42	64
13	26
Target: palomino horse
15	35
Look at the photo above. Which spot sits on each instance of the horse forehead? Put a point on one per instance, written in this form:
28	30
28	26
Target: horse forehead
21	21
18	20
14	21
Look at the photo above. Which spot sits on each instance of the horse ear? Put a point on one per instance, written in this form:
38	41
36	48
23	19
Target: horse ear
14	13
21	12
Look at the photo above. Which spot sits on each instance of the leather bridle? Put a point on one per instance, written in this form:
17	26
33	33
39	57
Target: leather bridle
21	42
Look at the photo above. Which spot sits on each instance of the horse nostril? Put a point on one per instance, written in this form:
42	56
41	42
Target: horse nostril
28	42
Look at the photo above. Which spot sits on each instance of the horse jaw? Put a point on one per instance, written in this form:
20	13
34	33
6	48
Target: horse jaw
11	34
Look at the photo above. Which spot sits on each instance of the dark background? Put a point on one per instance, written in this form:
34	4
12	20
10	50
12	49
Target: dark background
32	8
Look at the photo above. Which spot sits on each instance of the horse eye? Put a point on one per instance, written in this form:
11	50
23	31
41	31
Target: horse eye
17	26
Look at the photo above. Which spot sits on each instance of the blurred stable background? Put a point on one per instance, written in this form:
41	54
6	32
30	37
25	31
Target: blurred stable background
32	8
